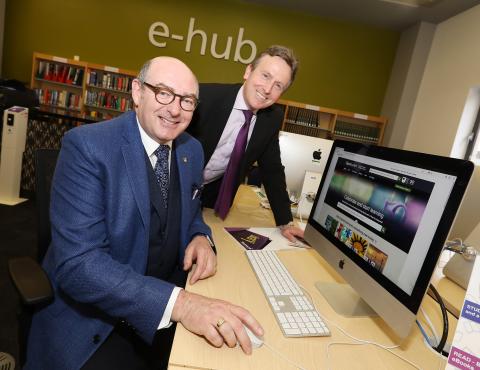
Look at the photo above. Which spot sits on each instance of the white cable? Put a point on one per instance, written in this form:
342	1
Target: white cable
431	326
447	254
304	196
299	214
279	354
361	341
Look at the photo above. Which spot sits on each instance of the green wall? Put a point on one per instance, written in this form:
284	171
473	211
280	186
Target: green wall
342	65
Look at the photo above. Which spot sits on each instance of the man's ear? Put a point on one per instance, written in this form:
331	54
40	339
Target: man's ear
136	91
248	71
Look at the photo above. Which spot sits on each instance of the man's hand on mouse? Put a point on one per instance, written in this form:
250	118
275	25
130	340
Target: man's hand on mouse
218	321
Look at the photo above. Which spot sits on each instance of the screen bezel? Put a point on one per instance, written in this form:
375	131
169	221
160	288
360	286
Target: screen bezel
462	169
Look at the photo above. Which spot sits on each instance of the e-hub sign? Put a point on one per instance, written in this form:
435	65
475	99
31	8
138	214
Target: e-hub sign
159	30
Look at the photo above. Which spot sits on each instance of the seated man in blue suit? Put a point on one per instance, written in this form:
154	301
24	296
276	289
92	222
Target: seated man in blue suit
126	226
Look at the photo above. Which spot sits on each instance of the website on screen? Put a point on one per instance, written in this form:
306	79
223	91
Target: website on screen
386	212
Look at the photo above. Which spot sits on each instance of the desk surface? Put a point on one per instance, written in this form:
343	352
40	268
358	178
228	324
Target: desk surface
236	282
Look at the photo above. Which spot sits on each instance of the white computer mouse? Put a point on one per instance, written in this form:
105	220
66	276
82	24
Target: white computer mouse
256	341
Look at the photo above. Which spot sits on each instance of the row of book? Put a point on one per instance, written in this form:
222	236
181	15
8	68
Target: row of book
303	130
109	80
104	99
59	72
58	98
351	130
100	116
301	116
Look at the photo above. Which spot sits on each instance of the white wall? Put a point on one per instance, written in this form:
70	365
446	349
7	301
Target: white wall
407	71
452	69
469	214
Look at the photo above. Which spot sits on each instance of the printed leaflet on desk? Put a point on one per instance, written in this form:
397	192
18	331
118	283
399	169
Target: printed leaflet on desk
248	239
269	238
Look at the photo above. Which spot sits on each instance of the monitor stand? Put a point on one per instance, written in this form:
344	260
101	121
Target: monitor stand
344	300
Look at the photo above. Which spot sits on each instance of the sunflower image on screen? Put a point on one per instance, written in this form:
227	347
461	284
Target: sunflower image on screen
358	244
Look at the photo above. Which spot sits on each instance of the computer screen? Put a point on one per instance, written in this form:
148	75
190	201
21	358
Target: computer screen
300	153
380	219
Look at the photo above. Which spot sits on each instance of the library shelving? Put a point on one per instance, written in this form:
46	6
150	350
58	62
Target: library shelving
58	82
85	89
107	91
95	91
329	123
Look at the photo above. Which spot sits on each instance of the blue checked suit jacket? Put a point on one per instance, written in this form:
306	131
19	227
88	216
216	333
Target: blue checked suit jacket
100	215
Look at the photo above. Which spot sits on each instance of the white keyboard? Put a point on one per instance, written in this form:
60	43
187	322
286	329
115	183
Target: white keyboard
294	312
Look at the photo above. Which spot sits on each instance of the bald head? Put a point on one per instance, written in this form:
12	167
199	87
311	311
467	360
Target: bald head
165	94
166	63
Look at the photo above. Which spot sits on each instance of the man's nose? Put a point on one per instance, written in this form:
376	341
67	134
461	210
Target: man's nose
269	87
174	107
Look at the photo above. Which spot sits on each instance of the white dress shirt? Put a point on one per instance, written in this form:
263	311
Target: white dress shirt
218	162
150	146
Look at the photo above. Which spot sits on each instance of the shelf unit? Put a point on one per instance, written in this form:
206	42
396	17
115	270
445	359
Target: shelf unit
80	88
58	83
95	91
328	123
107	91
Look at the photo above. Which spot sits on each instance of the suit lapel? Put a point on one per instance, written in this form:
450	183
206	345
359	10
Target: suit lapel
184	165
262	132
222	112
134	156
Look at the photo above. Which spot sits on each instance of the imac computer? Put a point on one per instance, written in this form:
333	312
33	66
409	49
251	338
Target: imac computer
304	158
380	219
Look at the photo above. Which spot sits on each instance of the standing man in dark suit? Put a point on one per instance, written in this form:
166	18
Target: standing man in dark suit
126	226
222	117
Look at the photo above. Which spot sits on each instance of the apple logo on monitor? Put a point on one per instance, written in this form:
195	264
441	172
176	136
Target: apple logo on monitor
317	155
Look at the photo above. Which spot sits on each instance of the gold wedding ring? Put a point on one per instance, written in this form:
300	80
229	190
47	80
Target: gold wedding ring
220	322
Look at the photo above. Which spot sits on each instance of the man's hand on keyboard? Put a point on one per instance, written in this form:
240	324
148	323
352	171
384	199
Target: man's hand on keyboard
218	321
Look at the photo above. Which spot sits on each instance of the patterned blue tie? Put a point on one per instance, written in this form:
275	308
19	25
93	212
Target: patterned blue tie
161	171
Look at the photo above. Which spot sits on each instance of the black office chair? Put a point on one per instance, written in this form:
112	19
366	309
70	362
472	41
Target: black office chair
28	277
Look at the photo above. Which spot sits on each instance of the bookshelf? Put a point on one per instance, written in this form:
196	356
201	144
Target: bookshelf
79	88
107	91
58	83
328	123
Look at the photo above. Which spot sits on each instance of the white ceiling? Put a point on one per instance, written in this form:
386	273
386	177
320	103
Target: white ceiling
391	14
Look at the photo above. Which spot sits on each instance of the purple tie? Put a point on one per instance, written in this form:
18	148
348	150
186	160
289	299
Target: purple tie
226	193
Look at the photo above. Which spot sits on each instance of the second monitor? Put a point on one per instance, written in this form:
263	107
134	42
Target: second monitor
300	154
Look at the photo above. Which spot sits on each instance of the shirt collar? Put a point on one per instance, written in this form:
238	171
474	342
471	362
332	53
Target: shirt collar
240	103
149	144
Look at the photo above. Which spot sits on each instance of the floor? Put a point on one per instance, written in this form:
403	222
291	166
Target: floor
17	238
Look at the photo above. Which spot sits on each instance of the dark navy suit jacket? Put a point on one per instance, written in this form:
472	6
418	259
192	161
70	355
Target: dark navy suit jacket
208	123
100	214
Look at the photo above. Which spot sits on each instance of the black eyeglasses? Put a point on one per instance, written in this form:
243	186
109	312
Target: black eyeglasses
165	95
